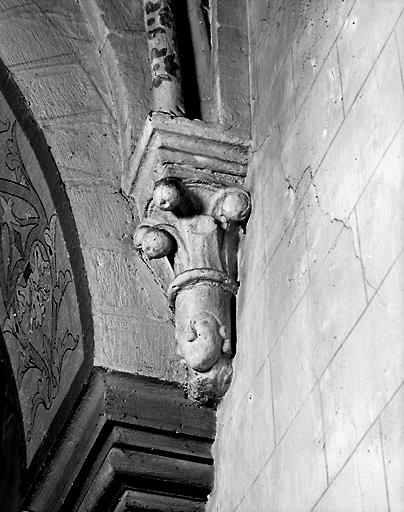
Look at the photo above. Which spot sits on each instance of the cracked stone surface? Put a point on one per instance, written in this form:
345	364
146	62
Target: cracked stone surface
321	302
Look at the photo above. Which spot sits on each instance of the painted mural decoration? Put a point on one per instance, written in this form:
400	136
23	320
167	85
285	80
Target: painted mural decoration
164	56
38	302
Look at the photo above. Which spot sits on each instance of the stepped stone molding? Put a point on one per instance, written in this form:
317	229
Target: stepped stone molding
187	180
134	443
45	311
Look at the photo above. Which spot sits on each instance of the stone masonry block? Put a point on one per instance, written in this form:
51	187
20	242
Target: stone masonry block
92	62
322	228
261	78
9	4
60	92
364	136
232	13
120	16
122	284
252	263
131	344
272	28
262	165
102	216
252	456
23	41
274	104
282	200
295	476
88	146
366	371
334	301
323	20
256	11
392	425
255	495
82	177
399	33
380	215
287	276
53	35
229	454
130	57
239	462
316	123
360	486
67	16
232	61
361	40
292	374
252	330
262	161
223	500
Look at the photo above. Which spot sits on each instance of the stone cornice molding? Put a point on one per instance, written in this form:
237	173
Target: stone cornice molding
132	441
186	179
190	145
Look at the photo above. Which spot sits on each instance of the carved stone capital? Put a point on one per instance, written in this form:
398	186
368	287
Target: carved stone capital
193	217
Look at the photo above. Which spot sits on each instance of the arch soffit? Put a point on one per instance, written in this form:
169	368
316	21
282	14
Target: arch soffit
45	310
70	62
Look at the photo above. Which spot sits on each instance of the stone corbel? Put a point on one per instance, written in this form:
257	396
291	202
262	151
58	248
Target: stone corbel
187	180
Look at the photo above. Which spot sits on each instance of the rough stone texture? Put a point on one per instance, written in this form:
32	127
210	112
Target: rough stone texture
191	218
320	309
361	485
313	419
83	68
392	438
231	103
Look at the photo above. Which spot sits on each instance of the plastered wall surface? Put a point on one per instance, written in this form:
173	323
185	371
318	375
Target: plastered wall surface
313	419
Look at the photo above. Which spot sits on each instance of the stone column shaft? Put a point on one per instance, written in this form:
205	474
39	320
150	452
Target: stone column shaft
164	57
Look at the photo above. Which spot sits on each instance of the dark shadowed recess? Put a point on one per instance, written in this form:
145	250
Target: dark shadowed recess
12	444
190	88
38	143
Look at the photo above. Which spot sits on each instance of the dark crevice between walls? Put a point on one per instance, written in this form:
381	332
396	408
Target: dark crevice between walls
195	63
12	445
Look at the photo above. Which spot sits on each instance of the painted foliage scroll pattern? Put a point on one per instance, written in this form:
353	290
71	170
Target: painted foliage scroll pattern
34	288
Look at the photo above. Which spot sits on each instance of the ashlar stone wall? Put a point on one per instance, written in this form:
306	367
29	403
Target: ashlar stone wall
82	66
314	417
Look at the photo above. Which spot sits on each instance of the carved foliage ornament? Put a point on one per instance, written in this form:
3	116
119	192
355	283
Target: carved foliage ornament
195	223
